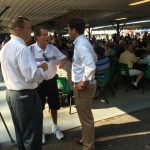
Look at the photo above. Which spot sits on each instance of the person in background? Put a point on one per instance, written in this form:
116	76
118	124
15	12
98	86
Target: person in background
83	76
18	63
48	90
129	58
102	63
145	39
7	38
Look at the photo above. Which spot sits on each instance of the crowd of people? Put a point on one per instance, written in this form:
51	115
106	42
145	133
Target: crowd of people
35	67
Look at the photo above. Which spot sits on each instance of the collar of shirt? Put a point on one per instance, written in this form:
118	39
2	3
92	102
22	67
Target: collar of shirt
80	39
39	49
18	39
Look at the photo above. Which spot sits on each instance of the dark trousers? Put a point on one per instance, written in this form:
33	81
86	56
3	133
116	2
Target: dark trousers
26	110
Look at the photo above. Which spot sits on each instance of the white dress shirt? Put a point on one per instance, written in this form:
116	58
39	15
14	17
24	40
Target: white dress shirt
84	59
53	55
19	68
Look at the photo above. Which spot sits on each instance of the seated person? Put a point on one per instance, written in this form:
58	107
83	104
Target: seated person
127	57
109	51
102	63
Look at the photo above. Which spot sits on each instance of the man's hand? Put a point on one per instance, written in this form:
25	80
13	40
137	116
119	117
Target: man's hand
44	66
62	63
81	85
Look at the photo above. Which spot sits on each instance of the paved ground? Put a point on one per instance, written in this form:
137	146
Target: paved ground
113	131
125	132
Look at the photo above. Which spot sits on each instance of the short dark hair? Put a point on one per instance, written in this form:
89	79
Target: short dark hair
100	51
37	30
78	24
128	45
17	21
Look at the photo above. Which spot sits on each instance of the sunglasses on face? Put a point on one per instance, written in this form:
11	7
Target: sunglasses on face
45	57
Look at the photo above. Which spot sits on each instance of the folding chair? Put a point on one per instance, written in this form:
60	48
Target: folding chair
12	140
124	71
64	89
146	76
147	72
106	82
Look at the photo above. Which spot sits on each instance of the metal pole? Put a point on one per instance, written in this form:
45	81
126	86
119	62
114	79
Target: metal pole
118	28
12	140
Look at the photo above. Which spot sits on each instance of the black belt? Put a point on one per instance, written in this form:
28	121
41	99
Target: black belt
55	77
23	90
47	80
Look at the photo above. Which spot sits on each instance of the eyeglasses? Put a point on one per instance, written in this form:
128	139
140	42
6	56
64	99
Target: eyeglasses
45	57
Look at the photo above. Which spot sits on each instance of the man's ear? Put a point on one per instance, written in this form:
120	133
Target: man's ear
18	30
74	30
36	38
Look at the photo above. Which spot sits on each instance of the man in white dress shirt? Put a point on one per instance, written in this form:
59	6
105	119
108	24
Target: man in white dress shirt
83	74
48	91
21	77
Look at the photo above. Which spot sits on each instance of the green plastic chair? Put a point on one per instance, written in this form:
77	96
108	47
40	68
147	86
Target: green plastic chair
102	84
146	76
124	71
112	59
124	68
64	89
147	72
113	70
114	75
63	85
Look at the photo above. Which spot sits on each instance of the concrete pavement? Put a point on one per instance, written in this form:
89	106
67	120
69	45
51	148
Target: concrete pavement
123	103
